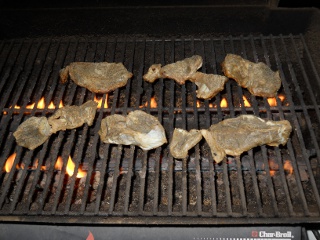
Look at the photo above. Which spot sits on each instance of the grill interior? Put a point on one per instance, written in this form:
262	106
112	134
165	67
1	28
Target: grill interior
127	184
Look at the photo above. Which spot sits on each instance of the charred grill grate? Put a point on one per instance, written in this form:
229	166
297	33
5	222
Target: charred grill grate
125	183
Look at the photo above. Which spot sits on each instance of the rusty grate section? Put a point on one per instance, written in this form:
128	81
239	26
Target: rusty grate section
126	184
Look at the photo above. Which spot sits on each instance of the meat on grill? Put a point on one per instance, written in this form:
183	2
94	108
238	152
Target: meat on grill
209	85
138	128
33	132
154	72
258	78
237	135
182	141
179	71
70	117
100	77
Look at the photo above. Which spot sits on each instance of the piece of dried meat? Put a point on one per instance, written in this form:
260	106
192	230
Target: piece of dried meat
100	77
33	132
182	141
70	117
179	71
258	78
138	128
209	85
236	135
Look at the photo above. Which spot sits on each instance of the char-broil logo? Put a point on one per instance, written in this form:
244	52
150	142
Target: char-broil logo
254	233
276	234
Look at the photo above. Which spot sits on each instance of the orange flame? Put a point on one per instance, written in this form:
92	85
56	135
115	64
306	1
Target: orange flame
10	162
99	101
41	105
198	103
70	169
210	105
246	102
288	167
272	173
153	103
224	103
273	101
59	163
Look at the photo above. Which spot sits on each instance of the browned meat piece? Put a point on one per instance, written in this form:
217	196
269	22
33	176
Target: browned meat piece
33	132
153	73
179	71
97	77
70	117
209	85
138	128
237	135
258	78
182	141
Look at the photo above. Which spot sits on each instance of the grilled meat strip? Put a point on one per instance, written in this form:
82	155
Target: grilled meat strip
100	77
138	128
33	132
258	78
70	117
237	135
179	71
209	85
182	141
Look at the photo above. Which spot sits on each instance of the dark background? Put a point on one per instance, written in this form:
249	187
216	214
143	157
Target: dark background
114	3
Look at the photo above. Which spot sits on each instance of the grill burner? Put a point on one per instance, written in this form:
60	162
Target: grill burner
126	182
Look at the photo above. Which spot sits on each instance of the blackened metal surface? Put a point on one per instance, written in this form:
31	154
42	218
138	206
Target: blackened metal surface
124	184
156	21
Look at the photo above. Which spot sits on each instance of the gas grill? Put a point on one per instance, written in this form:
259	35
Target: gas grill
74	179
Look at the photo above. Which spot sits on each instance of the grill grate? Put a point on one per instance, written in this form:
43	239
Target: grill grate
126	183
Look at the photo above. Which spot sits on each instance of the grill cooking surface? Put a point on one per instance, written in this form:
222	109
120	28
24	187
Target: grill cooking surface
125	181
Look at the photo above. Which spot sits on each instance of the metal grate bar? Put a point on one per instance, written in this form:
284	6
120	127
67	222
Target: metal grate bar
197	149
278	153
29	155
69	144
310	59
239	167
263	148
184	161
289	143
132	148
12	60
119	148
153	183
213	194
10	140
171	128
106	149
56	145
5	57
311	131
81	147
224	162
160	118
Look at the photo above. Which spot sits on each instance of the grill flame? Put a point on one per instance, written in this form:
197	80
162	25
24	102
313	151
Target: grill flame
224	103
10	162
288	167
153	103
70	167
273	101
246	102
99	101
41	105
